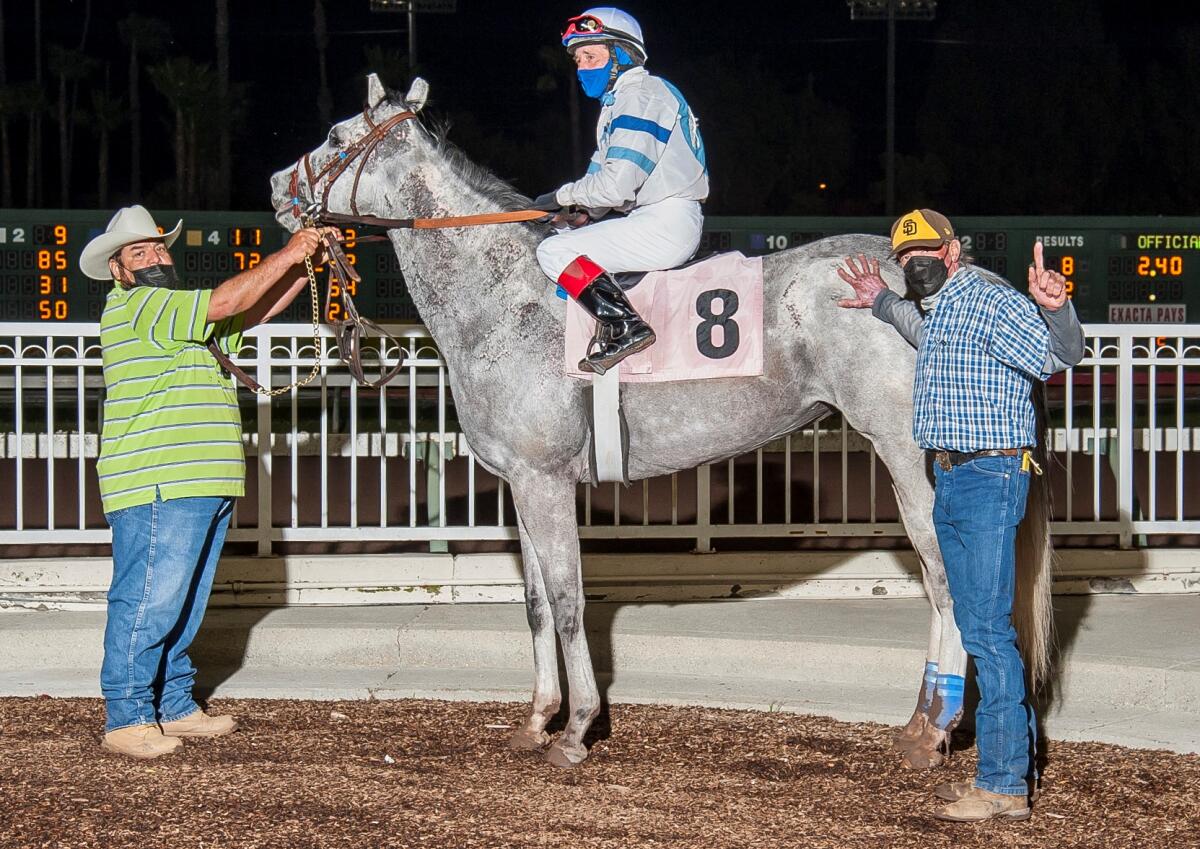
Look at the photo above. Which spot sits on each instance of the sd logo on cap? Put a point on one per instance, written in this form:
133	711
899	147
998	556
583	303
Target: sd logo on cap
921	228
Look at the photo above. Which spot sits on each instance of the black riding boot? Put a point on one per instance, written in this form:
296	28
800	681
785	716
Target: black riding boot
620	331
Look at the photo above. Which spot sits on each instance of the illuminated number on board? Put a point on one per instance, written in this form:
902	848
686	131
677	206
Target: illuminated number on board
60	234
777	243
213	238
18	235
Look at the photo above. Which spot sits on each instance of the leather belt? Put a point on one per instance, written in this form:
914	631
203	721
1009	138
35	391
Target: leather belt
949	459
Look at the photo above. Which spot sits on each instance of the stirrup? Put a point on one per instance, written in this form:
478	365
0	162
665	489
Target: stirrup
610	354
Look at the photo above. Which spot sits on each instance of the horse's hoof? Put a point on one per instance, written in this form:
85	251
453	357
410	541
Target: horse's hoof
922	758
907	737
524	740
565	757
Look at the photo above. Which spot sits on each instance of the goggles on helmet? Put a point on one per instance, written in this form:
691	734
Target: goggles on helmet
583	25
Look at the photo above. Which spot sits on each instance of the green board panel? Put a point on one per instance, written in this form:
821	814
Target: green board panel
1143	270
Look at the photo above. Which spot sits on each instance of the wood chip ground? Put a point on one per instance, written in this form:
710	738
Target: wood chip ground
440	774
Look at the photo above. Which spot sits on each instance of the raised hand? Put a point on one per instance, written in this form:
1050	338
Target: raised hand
1048	288
864	279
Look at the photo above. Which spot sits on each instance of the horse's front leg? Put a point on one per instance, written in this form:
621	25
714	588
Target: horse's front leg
547	509
547	697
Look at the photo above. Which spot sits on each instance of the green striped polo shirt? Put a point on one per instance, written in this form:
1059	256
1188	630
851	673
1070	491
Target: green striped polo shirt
171	418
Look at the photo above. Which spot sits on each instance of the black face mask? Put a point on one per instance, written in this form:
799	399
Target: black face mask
163	276
925	274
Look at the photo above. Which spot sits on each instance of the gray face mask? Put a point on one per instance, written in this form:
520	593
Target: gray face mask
162	276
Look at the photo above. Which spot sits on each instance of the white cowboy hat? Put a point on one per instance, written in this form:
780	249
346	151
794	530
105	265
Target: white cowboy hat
130	224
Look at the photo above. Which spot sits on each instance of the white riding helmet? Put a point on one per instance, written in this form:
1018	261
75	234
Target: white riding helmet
605	25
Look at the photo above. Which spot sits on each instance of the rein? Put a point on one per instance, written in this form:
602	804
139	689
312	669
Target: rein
349	331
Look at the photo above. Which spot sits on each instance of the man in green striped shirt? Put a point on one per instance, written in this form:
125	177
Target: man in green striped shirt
170	465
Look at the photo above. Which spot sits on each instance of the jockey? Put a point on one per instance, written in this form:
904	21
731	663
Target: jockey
649	164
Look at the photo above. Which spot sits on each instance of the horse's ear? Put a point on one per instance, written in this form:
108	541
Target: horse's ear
376	93
418	93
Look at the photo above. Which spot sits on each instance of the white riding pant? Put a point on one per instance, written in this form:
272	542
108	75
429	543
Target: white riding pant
650	238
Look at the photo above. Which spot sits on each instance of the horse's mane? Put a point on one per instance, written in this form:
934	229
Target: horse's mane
475	175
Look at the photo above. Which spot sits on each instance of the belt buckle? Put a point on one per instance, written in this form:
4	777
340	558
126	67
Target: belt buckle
943	460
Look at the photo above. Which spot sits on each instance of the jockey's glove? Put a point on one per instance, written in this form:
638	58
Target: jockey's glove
548	202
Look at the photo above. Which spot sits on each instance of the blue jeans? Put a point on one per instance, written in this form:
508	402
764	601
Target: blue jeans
976	510
164	558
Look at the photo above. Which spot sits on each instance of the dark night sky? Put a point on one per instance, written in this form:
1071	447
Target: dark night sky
484	68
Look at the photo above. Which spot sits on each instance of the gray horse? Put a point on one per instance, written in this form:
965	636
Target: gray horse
499	327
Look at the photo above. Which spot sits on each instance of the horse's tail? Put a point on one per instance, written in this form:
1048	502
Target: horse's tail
1033	613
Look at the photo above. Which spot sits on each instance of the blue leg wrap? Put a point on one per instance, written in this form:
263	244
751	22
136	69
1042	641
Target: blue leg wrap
928	683
948	700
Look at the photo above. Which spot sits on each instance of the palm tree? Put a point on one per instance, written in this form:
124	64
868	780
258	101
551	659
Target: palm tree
10	107
146	38
69	66
6	112
106	115
189	89
321	35
225	140
30	101
33	173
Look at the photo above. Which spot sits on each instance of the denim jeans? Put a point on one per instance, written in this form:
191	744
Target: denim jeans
164	558
976	510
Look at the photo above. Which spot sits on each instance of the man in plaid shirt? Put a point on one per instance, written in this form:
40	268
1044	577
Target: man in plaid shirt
981	345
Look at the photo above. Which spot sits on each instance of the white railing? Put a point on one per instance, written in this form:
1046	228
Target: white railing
335	464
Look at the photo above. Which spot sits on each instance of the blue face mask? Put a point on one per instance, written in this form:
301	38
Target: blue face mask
595	81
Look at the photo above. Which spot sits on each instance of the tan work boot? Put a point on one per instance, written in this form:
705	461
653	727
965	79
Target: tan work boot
952	791
140	741
200	724
977	805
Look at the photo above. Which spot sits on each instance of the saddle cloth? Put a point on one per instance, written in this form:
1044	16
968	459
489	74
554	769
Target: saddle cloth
708	317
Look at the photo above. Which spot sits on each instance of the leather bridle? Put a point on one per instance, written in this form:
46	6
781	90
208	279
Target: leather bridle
349	331
337	165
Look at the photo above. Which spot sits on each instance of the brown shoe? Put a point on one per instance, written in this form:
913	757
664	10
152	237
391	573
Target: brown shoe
140	741
978	805
952	791
200	724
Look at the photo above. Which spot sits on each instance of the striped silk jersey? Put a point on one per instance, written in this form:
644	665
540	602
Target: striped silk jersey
648	148
171	419
981	350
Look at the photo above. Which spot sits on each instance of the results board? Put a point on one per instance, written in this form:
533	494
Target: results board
1120	270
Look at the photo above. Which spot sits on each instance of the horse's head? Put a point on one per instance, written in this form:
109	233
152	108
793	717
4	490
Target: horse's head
340	174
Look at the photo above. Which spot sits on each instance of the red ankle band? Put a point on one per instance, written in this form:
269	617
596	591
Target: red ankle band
578	275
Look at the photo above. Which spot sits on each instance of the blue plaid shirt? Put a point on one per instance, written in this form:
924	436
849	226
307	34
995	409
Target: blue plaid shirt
982	347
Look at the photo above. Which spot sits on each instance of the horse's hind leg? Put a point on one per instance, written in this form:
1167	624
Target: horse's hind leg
926	736
546	693
547	509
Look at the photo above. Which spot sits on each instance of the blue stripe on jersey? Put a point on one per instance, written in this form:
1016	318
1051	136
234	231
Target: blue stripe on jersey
639	159
696	143
593	167
642	125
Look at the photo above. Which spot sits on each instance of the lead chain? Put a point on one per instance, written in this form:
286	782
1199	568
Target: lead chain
316	322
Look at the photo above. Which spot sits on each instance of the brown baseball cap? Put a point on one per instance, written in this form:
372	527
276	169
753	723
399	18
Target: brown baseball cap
921	228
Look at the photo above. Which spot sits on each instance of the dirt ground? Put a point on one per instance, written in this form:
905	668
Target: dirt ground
421	773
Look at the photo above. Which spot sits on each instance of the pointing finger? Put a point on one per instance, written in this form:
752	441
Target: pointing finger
1038	261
